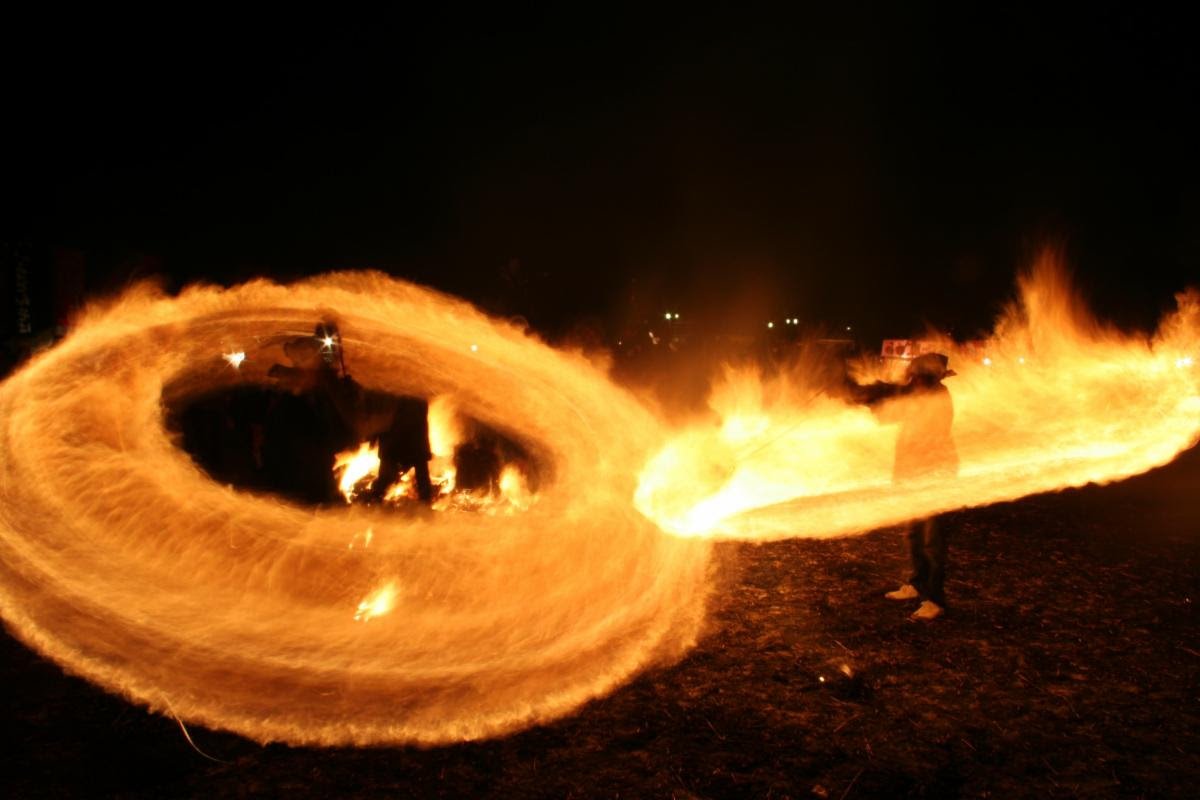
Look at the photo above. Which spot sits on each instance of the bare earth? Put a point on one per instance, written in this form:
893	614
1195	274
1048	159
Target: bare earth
1069	665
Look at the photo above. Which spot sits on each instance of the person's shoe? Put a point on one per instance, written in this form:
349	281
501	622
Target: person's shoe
905	592
928	610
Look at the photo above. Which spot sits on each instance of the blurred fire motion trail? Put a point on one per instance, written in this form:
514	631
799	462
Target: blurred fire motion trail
126	564
1052	400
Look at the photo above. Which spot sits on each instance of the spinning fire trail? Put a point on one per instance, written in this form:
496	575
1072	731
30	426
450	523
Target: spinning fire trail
124	562
1053	399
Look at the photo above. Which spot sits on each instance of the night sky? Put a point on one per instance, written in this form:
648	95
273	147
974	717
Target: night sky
884	170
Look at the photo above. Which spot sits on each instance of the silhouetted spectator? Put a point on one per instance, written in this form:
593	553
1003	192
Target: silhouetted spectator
925	450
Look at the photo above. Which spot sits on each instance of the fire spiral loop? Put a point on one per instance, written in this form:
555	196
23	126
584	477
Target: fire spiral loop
125	563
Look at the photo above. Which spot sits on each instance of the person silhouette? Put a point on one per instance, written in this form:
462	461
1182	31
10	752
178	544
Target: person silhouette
925	450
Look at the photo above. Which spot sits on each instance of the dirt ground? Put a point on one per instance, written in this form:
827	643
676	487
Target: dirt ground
1068	666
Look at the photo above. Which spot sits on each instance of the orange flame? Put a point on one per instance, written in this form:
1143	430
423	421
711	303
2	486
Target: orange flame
356	469
127	564
1059	401
377	603
445	434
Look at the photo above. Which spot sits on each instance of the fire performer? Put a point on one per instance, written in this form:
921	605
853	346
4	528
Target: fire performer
925	450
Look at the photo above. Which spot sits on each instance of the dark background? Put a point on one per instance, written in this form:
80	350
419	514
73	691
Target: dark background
880	169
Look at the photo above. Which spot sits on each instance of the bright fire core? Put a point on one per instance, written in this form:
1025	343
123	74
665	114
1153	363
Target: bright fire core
125	563
1052	400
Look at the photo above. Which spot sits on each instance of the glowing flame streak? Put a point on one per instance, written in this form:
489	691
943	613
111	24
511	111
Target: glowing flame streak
377	603
405	488
365	537
126	564
513	488
445	434
356	469
1087	404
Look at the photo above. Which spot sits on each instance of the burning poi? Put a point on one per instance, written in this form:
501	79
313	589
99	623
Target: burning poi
124	562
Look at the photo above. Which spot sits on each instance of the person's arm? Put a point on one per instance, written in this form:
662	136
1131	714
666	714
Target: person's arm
871	394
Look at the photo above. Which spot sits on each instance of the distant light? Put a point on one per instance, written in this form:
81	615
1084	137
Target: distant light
847	327
987	362
677	316
1021	360
474	348
668	315
235	359
821	678
328	341
1186	361
770	324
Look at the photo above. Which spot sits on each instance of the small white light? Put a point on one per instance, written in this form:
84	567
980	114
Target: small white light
847	327
770	324
474	348
327	341
235	359
676	316
668	315
821	678
1021	360
1186	361
987	362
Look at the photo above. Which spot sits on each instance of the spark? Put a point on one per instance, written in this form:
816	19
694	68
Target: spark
235	359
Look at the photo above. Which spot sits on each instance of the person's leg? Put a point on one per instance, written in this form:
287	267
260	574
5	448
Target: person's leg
934	536
915	536
424	484
389	467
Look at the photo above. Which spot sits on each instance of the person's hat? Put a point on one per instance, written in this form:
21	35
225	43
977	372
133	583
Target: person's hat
933	365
